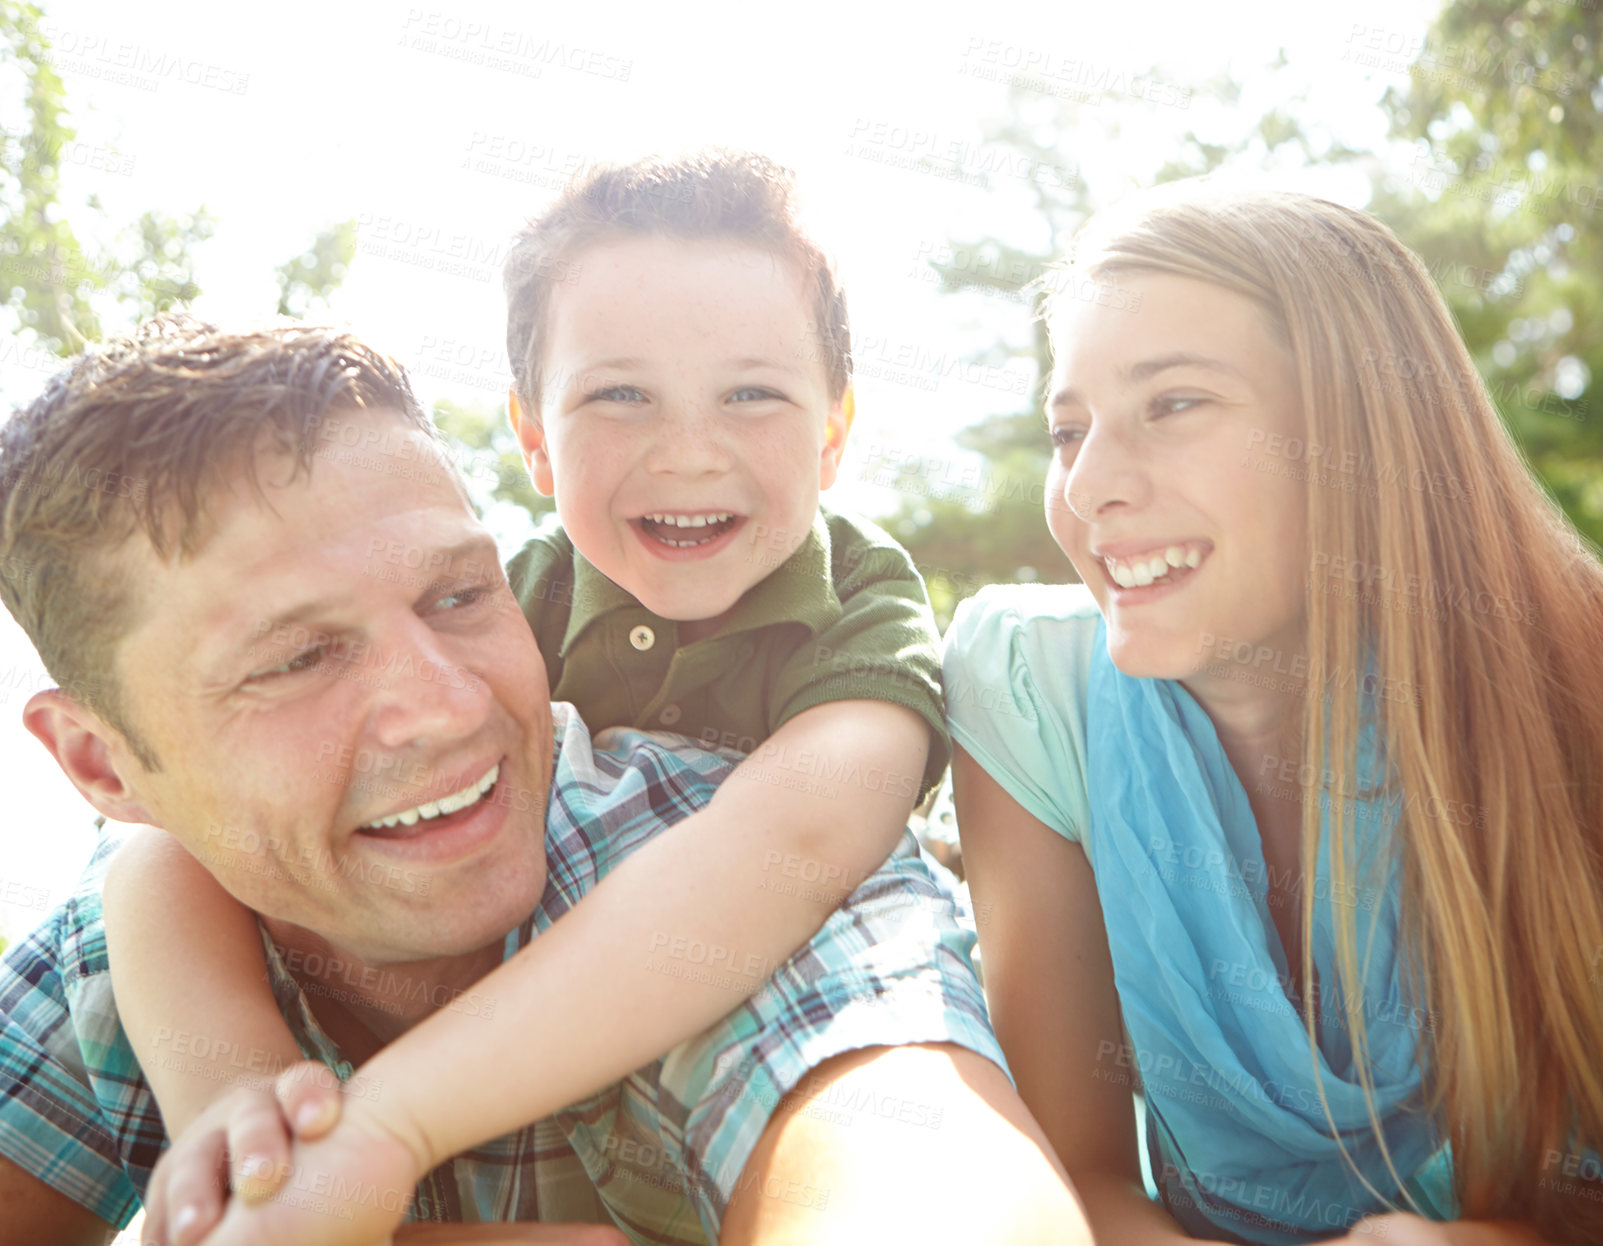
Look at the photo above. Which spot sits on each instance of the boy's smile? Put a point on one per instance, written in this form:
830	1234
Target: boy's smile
686	426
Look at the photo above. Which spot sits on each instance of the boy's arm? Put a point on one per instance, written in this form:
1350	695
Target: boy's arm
190	979
676	937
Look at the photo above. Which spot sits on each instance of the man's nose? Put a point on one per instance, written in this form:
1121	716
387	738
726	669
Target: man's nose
423	695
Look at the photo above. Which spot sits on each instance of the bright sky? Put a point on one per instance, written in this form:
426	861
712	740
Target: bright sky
440	127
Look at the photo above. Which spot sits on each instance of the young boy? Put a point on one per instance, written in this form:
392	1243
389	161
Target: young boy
682	367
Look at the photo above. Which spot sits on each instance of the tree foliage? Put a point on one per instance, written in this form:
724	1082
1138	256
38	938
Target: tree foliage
1502	199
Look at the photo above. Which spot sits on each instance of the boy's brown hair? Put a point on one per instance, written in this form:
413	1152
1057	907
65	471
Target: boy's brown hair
133	438
739	196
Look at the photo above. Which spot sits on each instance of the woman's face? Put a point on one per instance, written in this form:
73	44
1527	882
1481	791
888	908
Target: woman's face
1191	536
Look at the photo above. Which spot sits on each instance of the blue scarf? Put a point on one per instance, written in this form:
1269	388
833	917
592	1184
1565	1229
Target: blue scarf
1240	1140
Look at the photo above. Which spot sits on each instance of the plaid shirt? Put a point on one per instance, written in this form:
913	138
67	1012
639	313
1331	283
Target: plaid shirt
661	1152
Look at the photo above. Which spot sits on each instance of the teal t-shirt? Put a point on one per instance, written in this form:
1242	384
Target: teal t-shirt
1016	666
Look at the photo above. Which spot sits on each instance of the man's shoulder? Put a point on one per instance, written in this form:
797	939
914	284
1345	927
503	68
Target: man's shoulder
614	792
73	937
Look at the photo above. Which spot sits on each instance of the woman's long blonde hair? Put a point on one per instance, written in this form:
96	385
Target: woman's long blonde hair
1499	754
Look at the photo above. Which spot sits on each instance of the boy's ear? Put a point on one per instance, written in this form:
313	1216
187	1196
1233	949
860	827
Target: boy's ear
836	427
527	429
92	755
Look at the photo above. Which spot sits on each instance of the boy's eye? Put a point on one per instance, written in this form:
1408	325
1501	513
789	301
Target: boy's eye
617	393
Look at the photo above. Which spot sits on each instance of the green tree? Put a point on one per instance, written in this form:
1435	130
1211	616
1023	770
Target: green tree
1500	197
306	281
1503	199
63	292
993	529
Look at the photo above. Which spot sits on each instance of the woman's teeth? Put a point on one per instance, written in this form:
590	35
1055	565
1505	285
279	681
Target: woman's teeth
1145	569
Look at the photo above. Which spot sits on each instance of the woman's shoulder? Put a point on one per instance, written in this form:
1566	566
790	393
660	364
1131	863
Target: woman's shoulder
1047	627
1016	668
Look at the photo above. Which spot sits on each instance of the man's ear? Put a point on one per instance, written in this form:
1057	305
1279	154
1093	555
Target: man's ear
836	427
91	754
526	427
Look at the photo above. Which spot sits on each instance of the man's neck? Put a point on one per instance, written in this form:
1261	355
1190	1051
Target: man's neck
364	1003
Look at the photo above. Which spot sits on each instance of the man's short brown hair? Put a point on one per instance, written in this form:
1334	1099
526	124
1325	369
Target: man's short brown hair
737	196
134	438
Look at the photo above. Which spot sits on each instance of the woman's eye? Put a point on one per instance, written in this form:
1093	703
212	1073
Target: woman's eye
1173	405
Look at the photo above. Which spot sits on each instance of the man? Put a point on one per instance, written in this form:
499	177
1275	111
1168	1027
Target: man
181	510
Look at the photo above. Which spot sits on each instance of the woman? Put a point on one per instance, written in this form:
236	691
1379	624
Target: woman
1290	817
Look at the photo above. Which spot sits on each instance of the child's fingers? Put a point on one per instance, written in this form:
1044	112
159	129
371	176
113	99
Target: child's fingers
190	1199
258	1148
309	1097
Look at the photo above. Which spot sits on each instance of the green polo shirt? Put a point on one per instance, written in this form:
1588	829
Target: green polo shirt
845	617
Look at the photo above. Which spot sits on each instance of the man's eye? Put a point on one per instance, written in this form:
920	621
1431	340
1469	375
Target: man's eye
303	661
755	393
1067	435
464	597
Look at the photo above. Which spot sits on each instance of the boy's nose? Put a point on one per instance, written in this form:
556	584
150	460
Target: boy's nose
690	441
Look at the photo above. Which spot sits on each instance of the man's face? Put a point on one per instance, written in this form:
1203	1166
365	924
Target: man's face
346	653
687	426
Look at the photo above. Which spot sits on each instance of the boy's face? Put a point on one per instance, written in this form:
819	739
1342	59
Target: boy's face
686	425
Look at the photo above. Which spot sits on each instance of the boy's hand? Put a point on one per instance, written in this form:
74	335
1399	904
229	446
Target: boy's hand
351	1187
241	1143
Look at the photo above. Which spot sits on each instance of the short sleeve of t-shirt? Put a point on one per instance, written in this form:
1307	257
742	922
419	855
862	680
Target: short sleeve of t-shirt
1016	668
883	647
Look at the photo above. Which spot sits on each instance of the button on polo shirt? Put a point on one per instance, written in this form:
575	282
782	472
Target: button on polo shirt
844	617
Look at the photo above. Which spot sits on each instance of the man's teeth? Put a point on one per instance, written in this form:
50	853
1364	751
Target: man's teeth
690	521
1145	569
445	805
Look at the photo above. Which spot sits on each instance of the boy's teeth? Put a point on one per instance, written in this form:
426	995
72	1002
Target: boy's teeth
446	804
691	521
